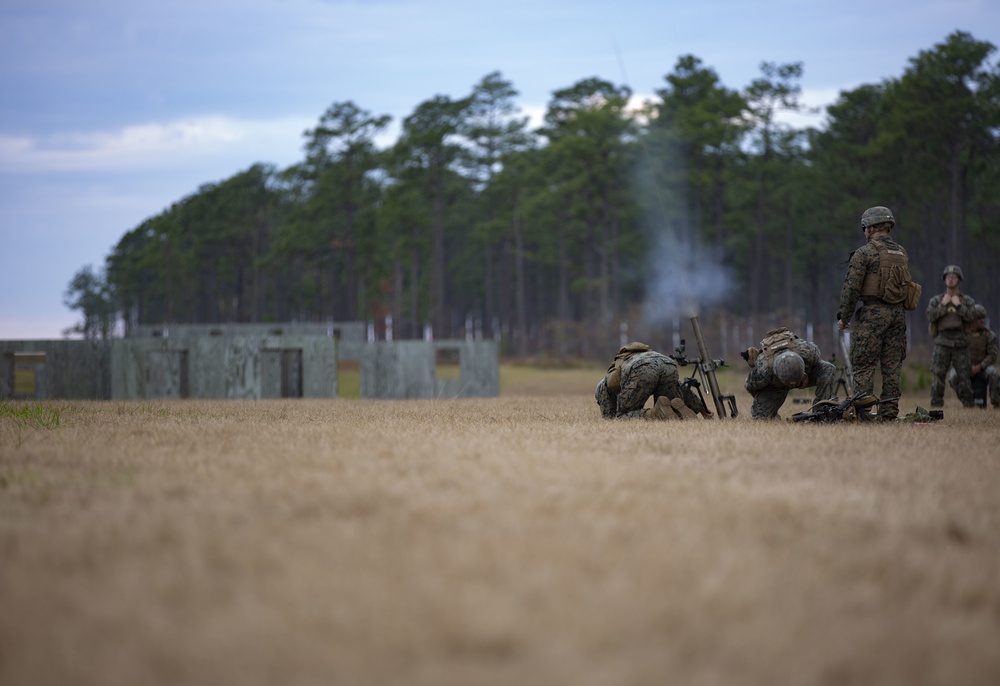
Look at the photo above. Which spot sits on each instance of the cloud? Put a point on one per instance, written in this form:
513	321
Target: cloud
156	145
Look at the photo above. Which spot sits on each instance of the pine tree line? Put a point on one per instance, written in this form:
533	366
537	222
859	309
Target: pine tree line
699	201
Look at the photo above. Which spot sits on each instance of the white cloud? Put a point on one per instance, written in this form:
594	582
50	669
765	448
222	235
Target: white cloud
156	145
815	102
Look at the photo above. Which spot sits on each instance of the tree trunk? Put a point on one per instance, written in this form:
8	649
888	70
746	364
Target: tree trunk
520	300
439	316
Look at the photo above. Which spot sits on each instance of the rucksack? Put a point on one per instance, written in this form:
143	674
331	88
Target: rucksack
892	283
776	341
614	376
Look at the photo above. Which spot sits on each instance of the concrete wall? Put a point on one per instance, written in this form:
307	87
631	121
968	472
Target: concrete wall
351	337
174	367
78	370
248	367
407	369
193	361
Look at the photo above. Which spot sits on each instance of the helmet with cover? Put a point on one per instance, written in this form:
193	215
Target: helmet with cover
978	312
789	368
952	269
876	215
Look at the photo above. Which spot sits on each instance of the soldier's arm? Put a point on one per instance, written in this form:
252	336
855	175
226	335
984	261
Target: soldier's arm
810	354
759	378
992	350
851	291
935	310
965	308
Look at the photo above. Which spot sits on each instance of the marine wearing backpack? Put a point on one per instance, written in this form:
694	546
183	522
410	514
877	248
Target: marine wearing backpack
783	362
878	277
614	375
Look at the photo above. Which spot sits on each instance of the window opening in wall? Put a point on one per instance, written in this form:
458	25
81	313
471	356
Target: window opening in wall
447	363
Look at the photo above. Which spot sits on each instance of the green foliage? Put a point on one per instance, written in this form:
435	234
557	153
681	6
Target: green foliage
915	377
30	415
553	237
90	293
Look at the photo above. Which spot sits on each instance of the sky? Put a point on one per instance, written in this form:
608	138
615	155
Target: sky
112	110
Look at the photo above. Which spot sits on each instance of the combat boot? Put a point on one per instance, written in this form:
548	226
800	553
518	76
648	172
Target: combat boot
661	409
682	410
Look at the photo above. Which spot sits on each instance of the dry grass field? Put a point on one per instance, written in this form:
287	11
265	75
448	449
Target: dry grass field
514	540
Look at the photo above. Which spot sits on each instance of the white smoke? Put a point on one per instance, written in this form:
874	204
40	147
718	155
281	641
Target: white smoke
685	278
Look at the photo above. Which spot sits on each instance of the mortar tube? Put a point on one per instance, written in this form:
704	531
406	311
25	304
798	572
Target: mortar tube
708	365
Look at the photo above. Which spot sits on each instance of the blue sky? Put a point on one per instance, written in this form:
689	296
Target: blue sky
113	109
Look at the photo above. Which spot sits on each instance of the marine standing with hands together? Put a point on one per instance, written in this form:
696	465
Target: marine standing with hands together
950	317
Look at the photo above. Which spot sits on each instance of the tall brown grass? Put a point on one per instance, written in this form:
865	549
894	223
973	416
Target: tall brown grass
519	539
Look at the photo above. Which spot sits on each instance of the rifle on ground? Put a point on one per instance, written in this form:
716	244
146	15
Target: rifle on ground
830	411
705	367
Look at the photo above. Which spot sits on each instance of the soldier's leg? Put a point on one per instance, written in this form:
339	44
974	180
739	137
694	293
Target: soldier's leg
940	362
767	402
667	382
980	389
605	399
865	347
963	371
637	385
951	378
693	400
993	379
891	364
821	377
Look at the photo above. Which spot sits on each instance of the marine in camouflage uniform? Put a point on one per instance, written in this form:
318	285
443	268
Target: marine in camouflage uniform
983	352
879	337
644	373
766	386
950	323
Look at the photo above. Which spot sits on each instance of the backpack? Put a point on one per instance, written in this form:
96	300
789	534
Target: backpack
614	376
892	283
776	341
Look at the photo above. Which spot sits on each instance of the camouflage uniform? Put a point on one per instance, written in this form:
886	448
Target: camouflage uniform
951	349
769	393
879	336
986	341
643	374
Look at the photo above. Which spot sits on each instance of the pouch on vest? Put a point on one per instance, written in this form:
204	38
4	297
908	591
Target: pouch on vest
913	291
892	283
776	341
977	347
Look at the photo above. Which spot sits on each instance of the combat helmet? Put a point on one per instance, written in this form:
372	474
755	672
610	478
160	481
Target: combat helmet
978	312
876	215
789	368
952	269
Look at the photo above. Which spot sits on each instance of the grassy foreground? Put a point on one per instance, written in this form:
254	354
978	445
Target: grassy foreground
518	539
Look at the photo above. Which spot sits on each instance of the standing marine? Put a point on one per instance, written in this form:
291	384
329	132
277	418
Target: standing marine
878	275
950	317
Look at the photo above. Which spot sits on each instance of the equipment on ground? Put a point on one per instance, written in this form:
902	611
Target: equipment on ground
843	381
705	367
857	407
